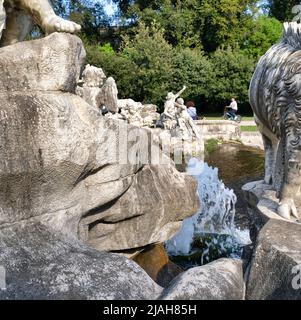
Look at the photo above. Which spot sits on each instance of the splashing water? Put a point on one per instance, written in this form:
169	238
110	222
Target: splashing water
215	217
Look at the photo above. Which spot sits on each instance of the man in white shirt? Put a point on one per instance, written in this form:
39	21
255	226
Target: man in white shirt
233	108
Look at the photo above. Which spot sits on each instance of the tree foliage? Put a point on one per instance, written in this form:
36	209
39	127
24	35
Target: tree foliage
194	23
264	33
152	67
89	14
282	9
211	46
232	73
153	56
116	65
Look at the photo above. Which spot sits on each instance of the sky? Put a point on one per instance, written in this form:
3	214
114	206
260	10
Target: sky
109	7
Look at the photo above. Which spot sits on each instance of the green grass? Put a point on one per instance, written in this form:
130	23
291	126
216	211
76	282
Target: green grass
219	117
249	128
212	145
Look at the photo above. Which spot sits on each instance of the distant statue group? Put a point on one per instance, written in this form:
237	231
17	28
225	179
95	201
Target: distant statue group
175	115
102	92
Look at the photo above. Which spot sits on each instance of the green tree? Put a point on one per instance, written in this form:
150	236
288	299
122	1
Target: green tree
123	70
224	22
192	68
265	32
152	55
194	23
89	14
232	74
282	9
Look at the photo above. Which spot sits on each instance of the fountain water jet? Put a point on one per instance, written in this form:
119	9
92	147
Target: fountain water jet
215	218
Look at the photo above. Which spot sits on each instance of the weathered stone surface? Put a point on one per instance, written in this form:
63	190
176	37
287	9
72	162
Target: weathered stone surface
63	161
108	95
98	90
219	280
48	64
42	265
275	269
219	129
69	174
262	205
146	206
252	139
137	114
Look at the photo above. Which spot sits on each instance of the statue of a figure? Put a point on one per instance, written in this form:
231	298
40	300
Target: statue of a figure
297	11
150	115
137	114
131	111
185	122
170	110
97	90
275	96
17	18
108	96
92	79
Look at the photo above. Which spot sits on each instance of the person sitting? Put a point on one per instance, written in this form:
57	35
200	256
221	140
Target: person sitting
233	108
191	109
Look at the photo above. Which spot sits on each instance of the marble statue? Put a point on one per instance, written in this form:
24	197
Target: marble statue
17	18
275	96
138	114
92	79
102	92
98	91
108	96
297	10
170	111
150	115
131	112
185	122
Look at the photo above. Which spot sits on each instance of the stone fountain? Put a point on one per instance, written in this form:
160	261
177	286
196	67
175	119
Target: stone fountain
274	204
77	186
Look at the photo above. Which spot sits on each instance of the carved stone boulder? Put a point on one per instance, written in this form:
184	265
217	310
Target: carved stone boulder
219	280
72	180
276	267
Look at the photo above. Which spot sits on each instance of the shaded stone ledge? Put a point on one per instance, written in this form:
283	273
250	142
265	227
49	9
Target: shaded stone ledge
219	129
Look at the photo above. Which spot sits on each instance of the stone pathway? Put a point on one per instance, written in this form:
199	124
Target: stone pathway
248	123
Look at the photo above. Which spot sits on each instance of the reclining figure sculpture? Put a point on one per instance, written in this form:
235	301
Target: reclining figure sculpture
17	18
275	96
